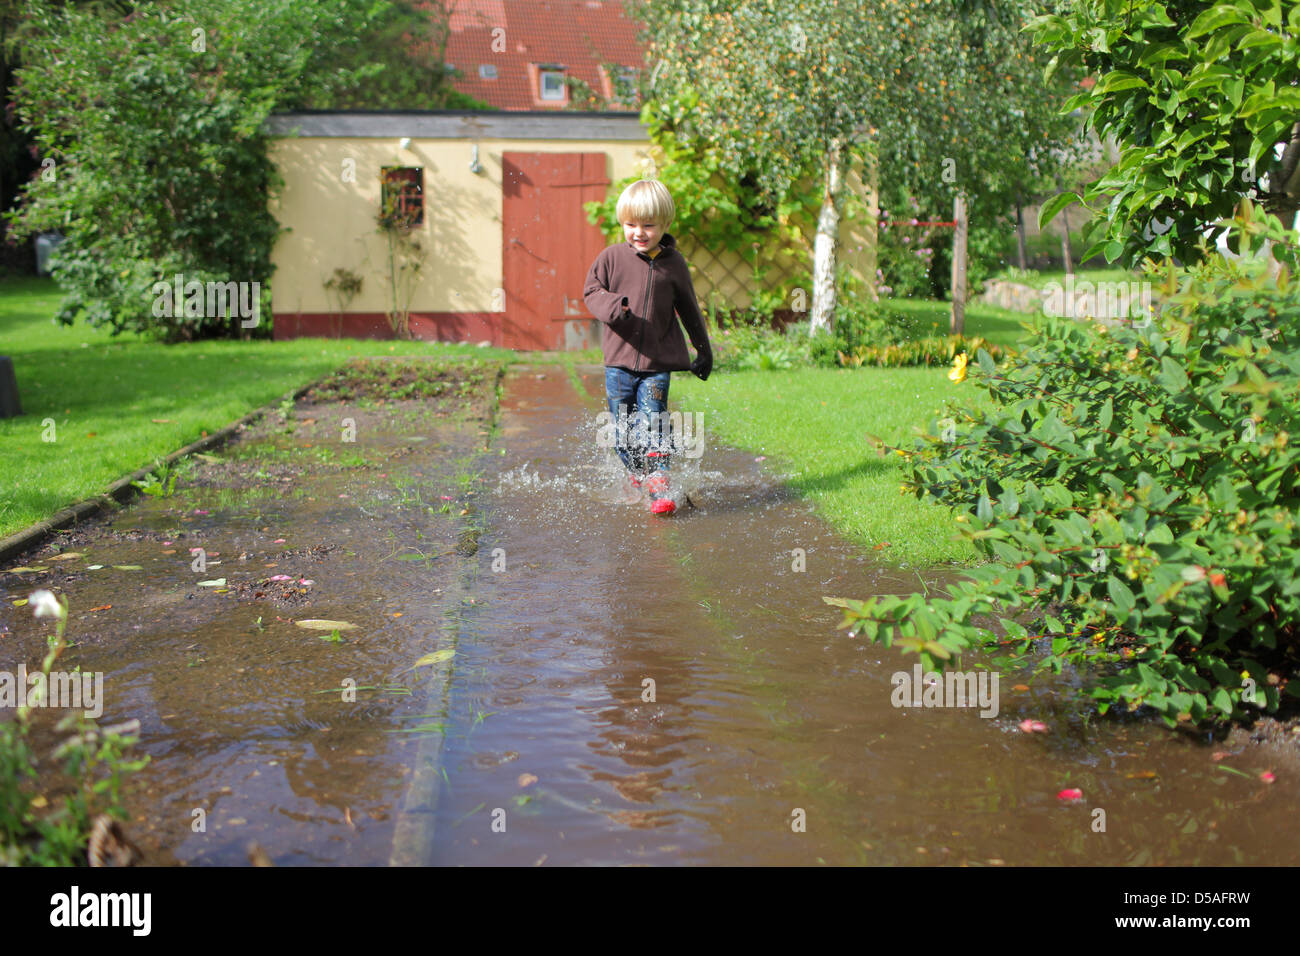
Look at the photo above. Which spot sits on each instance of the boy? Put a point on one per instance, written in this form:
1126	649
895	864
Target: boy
634	288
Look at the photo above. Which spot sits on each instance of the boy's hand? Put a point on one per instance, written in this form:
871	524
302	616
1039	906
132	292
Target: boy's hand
703	364
626	310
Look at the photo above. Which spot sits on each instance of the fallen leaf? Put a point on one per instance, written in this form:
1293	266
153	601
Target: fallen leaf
66	556
94	567
323	625
527	779
127	567
437	657
214	583
20	602
170	551
102	607
25	570
397	614
1142	775
1020	687
162	421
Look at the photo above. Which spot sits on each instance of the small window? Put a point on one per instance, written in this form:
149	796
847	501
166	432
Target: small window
401	198
552	85
487	71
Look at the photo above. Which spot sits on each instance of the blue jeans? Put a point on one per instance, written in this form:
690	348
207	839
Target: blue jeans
638	402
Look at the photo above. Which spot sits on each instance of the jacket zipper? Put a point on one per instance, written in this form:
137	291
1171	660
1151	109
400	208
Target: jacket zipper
645	315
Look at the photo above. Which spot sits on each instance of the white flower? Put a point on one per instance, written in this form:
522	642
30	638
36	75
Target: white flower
44	604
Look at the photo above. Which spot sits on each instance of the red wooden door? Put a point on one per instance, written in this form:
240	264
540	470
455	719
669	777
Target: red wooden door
548	246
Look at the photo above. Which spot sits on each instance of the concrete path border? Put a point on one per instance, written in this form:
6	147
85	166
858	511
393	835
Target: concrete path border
120	491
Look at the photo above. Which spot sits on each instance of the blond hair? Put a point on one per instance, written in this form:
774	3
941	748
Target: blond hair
647	200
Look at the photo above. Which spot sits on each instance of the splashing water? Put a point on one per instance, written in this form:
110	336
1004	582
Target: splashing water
590	468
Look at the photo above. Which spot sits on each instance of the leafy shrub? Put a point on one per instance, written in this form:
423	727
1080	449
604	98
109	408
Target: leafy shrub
161	162
931	350
1136	492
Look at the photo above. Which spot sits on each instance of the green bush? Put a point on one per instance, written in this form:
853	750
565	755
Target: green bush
153	128
1136	493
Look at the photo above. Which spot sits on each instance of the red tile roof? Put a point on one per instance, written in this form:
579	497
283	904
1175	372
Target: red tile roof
519	36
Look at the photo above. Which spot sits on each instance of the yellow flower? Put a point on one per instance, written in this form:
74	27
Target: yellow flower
958	373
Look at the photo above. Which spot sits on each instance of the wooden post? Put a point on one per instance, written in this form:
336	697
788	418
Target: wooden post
1065	235
1022	256
9	404
958	324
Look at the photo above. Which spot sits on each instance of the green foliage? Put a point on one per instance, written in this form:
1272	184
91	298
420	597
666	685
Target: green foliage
714	209
36	830
1200	94
154	123
398	63
159	483
1135	492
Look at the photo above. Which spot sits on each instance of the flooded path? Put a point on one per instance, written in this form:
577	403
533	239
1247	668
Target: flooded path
600	686
762	708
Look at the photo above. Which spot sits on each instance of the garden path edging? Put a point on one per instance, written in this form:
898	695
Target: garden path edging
120	490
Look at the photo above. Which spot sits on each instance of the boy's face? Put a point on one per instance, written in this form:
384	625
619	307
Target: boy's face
643	235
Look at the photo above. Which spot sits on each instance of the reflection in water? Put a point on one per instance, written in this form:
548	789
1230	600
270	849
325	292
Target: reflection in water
693	697
625	688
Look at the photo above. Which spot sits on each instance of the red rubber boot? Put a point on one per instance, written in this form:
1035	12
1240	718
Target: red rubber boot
661	502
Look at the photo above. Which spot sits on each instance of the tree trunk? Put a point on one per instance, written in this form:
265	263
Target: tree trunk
1065	234
1022	257
958	324
828	234
10	407
1065	242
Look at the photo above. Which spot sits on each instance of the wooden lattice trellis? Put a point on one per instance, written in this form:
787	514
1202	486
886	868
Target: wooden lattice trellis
725	280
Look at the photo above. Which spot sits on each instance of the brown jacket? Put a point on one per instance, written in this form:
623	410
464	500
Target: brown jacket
650	338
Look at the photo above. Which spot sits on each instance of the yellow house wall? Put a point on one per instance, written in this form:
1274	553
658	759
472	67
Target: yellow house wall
331	196
333	220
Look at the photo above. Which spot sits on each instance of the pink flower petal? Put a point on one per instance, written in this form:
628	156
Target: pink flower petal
1072	794
200	511
1033	726
1267	776
761	458
446	497
307	581
195	550
165	543
278	541
279	577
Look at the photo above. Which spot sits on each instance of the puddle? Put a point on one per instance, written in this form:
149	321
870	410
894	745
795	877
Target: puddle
614	687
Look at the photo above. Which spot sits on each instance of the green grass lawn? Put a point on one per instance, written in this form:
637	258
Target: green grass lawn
117	403
1039	280
929	317
812	424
